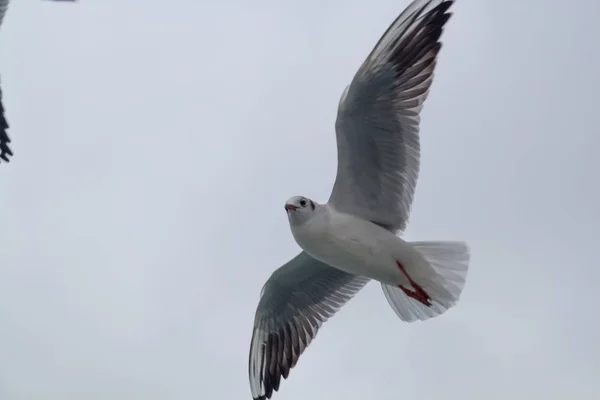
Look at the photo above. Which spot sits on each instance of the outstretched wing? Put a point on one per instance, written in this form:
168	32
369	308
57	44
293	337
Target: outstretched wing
377	126
294	303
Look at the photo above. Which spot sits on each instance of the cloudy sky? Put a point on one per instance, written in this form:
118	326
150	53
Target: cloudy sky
155	145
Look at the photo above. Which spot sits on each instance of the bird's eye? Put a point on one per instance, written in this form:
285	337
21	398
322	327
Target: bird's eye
303	203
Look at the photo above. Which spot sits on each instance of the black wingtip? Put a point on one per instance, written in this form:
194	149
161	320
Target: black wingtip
5	151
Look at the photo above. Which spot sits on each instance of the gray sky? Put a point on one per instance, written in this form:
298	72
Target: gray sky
156	144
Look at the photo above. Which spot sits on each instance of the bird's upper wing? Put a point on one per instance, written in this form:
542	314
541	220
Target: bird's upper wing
295	301
377	125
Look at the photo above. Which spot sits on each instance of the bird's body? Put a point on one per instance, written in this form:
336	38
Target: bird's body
353	238
356	246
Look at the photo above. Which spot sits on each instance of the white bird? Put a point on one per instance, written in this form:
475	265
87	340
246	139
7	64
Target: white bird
353	238
5	151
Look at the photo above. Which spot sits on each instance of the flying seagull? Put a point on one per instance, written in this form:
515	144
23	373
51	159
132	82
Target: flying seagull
5	151
352	239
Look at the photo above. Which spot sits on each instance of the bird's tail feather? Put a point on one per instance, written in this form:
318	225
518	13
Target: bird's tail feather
449	262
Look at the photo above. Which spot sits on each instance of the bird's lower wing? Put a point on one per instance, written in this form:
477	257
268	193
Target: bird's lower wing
295	301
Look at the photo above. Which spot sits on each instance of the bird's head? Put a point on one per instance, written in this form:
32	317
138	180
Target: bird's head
300	209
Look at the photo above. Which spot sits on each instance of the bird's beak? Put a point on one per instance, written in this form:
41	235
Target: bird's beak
290	207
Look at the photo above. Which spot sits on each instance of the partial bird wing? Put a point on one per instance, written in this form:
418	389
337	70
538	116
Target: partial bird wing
294	303
3	7
5	151
4	140
377	126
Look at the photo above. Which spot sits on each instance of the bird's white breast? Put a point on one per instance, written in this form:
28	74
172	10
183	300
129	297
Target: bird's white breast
350	244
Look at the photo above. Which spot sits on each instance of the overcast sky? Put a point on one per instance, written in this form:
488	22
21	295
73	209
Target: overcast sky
155	145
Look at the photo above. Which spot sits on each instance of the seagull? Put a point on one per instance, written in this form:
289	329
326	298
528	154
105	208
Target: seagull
353	238
5	151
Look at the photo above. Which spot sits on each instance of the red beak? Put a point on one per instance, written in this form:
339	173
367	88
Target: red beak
290	207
